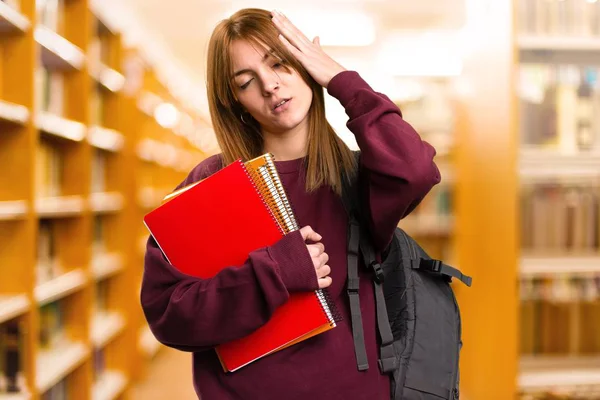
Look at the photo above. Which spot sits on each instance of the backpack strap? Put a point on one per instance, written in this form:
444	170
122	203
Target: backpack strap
353	296
438	267
353	284
387	361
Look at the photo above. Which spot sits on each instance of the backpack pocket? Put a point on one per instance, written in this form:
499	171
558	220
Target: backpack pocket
432	370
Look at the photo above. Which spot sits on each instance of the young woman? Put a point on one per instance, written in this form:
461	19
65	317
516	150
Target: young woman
265	89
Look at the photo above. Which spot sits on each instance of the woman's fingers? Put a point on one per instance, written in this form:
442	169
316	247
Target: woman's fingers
290	31
293	49
324	271
316	249
309	234
324	282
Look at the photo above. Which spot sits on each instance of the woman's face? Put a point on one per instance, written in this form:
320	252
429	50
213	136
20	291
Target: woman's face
278	98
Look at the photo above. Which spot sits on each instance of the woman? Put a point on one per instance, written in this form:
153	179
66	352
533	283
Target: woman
265	88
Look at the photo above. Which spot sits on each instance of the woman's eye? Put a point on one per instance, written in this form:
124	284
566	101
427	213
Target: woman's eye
276	65
245	85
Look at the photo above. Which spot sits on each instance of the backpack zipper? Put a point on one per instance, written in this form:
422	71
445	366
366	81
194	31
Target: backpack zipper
454	392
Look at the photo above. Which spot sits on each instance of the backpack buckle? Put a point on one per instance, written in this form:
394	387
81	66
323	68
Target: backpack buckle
436	266
379	277
388	361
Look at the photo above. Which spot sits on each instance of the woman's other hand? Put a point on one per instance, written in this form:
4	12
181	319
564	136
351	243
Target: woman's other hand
318	256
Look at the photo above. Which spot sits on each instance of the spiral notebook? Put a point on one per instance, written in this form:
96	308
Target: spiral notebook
216	223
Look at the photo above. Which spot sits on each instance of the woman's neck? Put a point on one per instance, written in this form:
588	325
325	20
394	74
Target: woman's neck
289	145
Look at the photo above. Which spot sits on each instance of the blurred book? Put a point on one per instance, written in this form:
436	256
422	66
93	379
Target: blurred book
56	392
47	265
50	14
49	90
560	219
559	106
579	18
11	357
48	169
52	331
560	315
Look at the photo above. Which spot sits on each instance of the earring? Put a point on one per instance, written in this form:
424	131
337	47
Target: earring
242	118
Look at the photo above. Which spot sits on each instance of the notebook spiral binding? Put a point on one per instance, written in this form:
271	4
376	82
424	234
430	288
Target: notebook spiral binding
256	184
266	178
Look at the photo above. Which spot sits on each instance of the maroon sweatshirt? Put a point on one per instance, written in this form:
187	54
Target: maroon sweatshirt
194	315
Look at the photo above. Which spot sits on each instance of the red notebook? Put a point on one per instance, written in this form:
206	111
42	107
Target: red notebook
205	228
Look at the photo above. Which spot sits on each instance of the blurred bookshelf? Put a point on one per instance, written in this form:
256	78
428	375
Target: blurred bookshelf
78	178
558	93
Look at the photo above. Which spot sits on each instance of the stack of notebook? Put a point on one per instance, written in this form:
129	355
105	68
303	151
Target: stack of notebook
214	224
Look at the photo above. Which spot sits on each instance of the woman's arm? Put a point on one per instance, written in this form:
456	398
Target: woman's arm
193	314
397	168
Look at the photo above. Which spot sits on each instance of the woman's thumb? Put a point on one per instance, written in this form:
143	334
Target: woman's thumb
308	234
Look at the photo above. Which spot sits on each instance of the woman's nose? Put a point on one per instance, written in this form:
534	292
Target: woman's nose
271	84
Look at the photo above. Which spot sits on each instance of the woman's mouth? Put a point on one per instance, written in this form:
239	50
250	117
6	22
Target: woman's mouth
282	106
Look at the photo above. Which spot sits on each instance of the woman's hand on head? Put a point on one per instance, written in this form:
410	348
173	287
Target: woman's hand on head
318	256
309	53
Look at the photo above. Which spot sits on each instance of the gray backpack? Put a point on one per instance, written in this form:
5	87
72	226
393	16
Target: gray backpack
418	318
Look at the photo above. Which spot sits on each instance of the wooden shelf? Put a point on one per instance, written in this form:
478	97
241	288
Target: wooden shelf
13	306
15	396
106	202
13	209
60	287
105	139
108	77
57	52
148	343
11	20
63	206
109	386
430	225
11	112
88	141
55	364
106	265
60	127
548	372
576	265
543	165
105	327
549	43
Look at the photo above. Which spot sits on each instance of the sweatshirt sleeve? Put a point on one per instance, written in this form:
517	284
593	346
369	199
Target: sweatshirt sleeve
396	166
193	314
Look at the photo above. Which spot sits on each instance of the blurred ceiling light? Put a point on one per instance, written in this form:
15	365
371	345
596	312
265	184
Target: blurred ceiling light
415	54
592	1
166	115
334	28
339	29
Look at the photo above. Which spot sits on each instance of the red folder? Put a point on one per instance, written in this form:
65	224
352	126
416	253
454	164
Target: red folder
215	224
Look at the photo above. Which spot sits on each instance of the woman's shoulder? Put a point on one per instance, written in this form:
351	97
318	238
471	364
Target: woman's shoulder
205	168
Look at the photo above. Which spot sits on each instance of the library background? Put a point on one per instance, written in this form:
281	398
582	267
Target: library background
103	112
